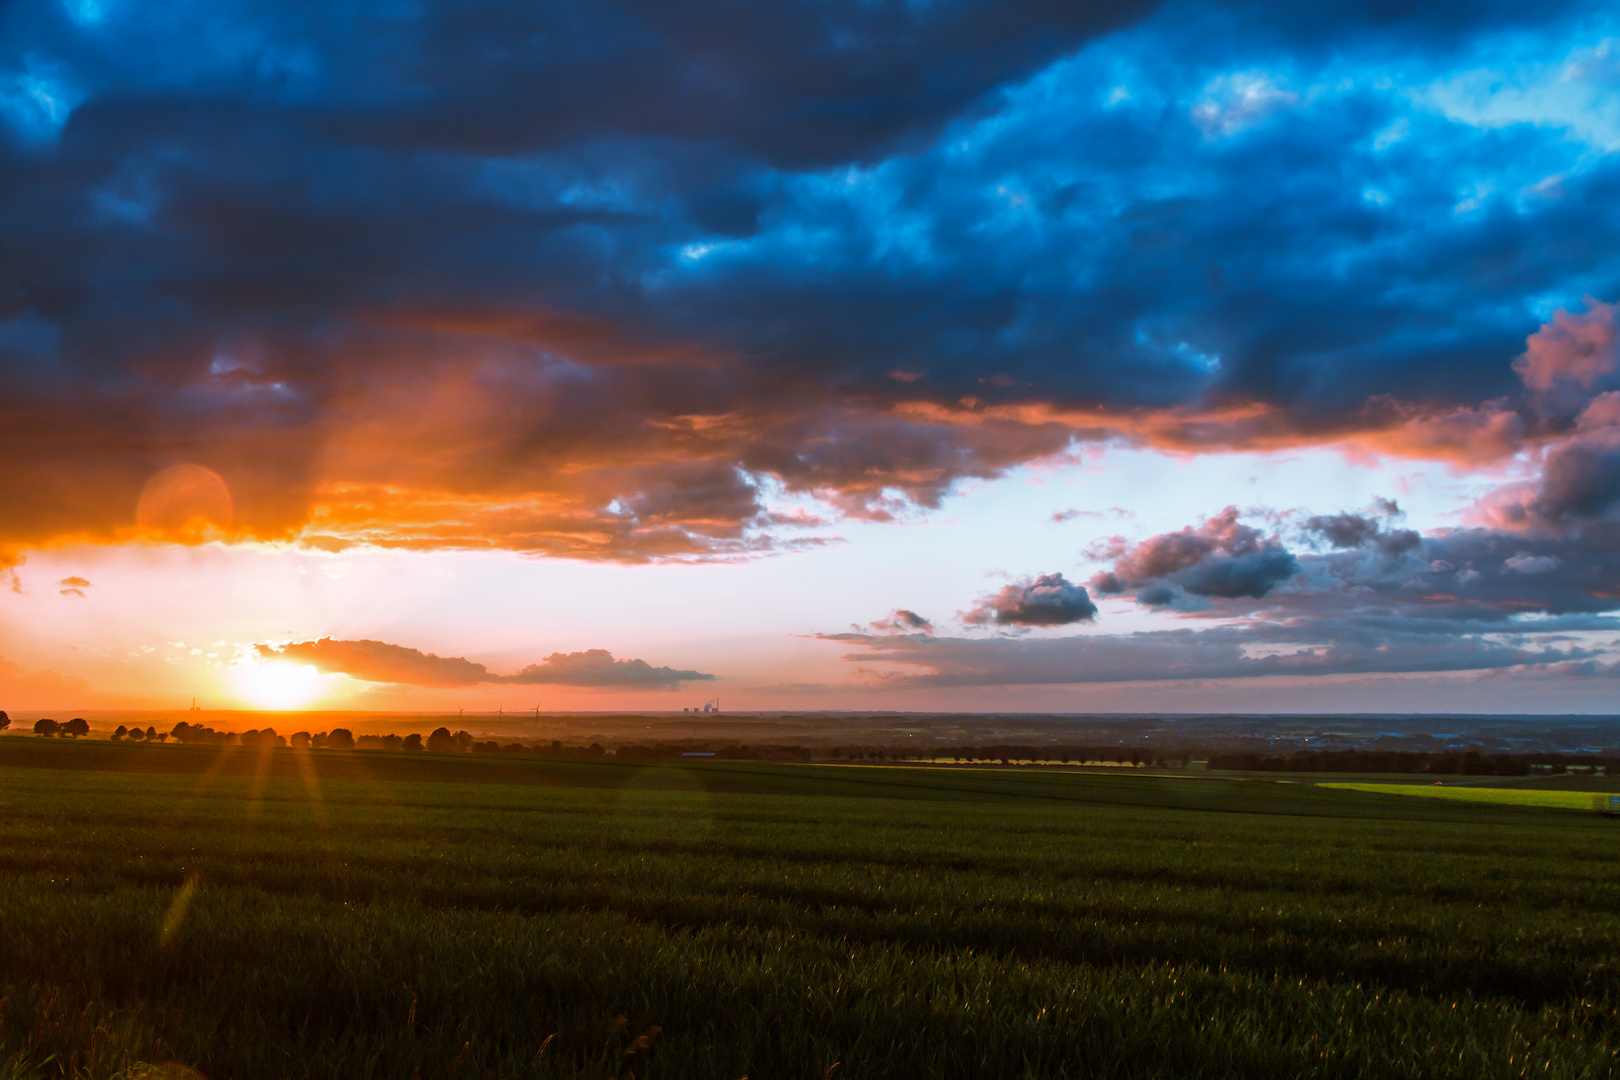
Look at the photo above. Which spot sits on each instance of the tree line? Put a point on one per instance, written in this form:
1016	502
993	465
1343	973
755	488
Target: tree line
1473	762
68	728
440	740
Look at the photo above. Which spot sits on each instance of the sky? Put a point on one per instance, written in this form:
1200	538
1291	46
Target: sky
836	354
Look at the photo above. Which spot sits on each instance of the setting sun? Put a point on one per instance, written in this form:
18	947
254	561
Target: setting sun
277	685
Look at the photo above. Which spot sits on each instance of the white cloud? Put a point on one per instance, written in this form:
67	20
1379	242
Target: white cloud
1578	95
1240	100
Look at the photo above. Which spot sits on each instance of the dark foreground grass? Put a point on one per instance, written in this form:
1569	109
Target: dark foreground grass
287	914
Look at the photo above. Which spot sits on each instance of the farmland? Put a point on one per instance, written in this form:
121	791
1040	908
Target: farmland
274	912
1522	795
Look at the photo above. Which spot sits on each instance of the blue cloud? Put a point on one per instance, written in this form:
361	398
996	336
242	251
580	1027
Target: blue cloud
796	215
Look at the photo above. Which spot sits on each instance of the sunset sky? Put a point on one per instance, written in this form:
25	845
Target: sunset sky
967	354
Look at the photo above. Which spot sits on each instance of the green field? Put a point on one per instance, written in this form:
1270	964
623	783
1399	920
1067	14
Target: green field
1522	795
283	913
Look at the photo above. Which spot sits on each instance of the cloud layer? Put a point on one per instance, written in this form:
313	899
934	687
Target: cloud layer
381	662
1529	588
622	282
1380	599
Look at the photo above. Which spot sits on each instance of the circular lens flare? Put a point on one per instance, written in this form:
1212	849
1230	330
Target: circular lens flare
185	502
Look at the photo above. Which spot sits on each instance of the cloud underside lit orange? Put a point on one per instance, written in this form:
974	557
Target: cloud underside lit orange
645	456
680	487
383	662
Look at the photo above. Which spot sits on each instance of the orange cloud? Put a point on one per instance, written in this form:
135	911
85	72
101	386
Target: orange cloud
451	431
1576	349
381	662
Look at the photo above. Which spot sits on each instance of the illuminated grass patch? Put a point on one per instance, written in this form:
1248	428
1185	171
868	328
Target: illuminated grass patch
1564	800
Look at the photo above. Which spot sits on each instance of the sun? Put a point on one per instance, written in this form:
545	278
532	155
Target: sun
277	684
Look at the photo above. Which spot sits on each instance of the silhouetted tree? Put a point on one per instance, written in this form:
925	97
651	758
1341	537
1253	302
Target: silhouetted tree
137	735
464	741
76	727
317	741
120	733
413	742
441	741
151	733
46	726
340	739
5	721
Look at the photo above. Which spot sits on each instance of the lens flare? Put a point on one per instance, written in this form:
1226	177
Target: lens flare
185	502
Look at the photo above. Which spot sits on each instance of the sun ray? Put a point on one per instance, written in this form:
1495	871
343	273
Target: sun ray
264	758
206	779
317	802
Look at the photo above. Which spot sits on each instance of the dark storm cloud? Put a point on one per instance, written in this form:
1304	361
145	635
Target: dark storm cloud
625	268
1047	600
379	661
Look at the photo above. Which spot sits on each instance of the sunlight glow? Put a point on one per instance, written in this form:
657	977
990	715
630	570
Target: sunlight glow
276	684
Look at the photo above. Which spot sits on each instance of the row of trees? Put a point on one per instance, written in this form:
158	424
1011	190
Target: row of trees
200	734
444	741
441	740
135	734
70	728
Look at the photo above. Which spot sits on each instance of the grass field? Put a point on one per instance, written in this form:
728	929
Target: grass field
280	913
1522	795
